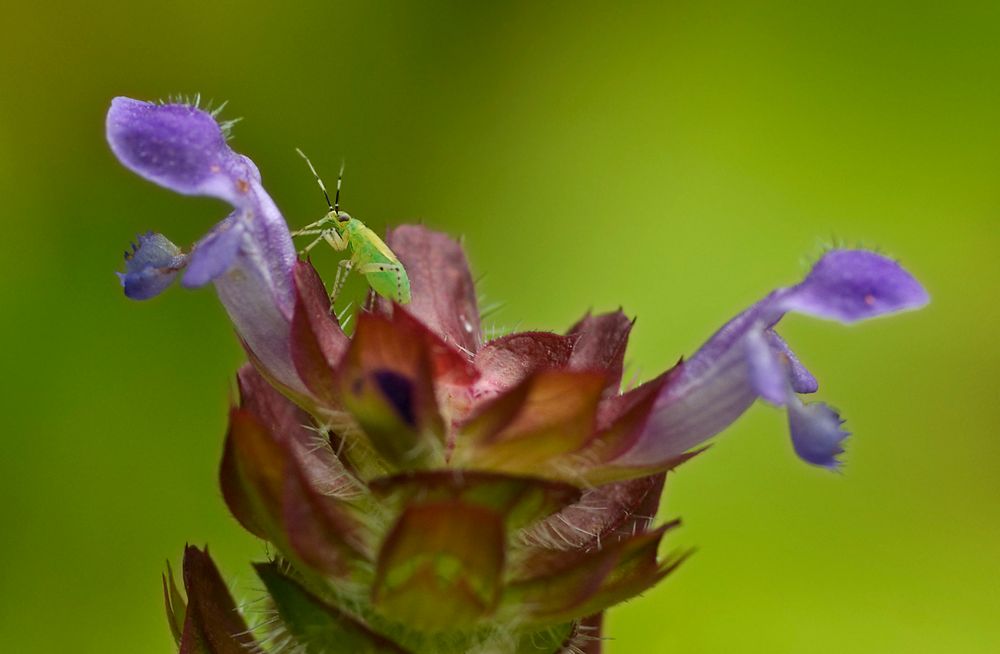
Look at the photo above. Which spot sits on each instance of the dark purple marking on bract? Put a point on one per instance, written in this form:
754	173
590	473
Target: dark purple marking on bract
398	389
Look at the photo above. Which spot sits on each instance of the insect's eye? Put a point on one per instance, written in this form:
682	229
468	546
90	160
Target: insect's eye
343	217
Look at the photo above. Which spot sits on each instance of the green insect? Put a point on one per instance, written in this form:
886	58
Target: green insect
370	256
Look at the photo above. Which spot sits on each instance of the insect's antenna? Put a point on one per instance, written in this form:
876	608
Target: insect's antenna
336	198
322	186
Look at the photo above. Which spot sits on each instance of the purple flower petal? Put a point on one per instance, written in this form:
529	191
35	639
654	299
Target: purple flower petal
692	408
768	378
816	433
801	379
151	266
745	359
259	320
183	148
215	253
179	147
249	256
851	285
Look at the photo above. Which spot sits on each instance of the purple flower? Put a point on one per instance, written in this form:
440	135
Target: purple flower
746	359
249	255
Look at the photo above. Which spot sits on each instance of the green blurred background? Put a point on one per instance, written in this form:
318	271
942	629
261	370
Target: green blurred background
679	161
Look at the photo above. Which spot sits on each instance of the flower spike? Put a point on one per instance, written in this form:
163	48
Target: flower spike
424	492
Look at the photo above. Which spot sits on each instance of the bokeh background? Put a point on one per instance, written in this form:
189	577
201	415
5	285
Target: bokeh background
677	160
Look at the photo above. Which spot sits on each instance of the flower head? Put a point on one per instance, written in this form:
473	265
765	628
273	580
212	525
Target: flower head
427	490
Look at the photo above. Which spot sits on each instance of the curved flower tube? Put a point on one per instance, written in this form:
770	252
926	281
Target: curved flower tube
249	255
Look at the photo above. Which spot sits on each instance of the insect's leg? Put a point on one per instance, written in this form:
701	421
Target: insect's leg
386	267
315	225
336	241
304	251
312	232
343	270
331	236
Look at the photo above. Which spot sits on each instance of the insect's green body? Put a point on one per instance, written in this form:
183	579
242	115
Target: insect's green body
370	251
370	256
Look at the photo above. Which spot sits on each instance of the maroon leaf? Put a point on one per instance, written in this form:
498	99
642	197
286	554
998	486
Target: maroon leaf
294	428
603	515
549	415
570	585
322	531
599	344
637	571
317	342
440	566
272	496
271	412
641	518
443	293
450	365
506	361
254	508
490	417
212	625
